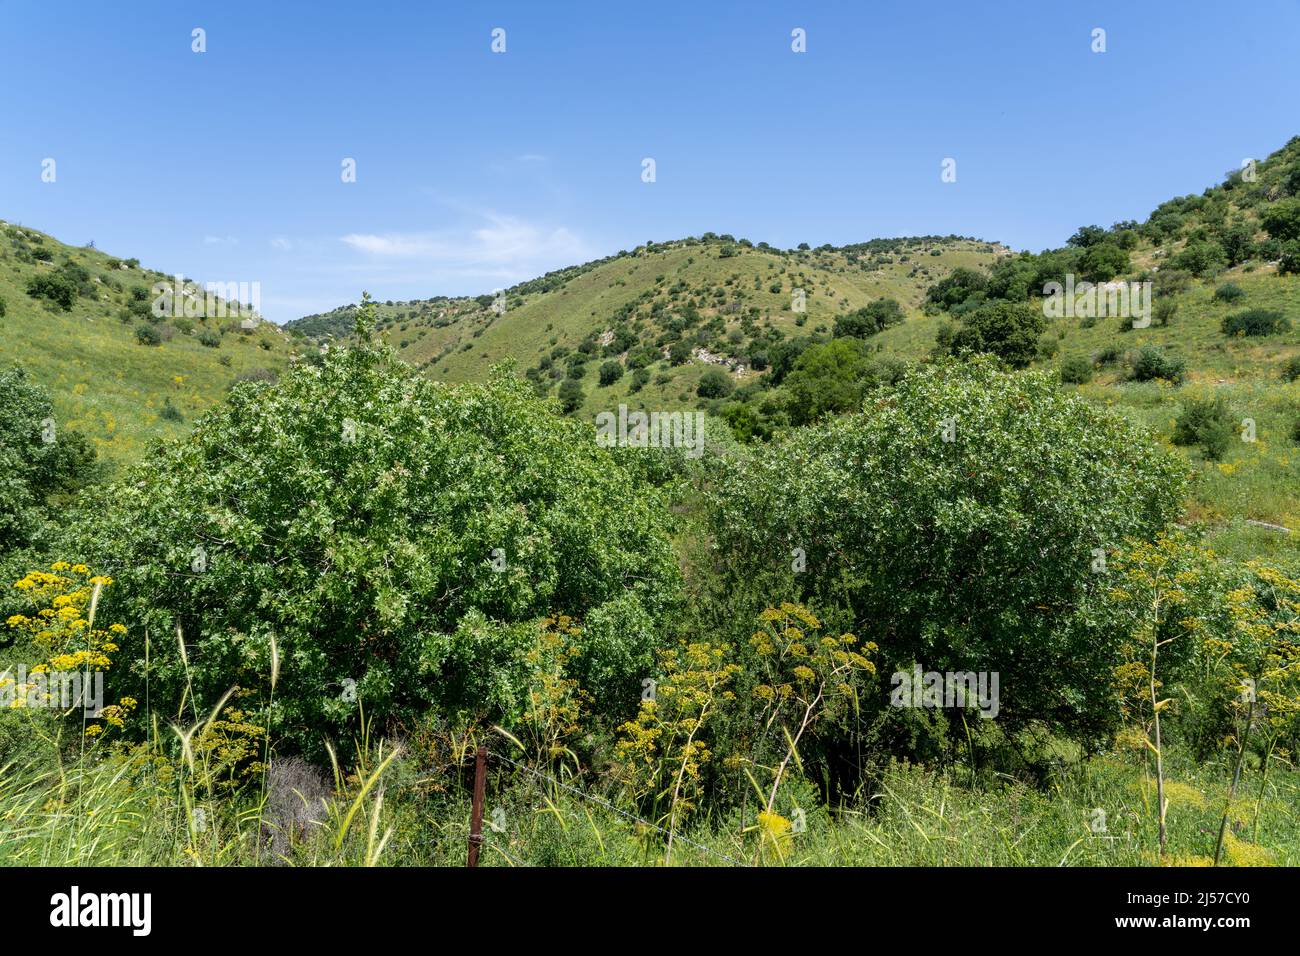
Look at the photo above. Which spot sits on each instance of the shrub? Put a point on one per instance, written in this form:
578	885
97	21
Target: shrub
970	554
380	528
571	395
1206	423
610	372
1201	258
870	319
1291	369
1289	261
957	287
715	383
1164	312
54	287
1255	322
1229	292
210	338
1076	370
169	412
1281	219
1153	362
42	464
1008	330
147	335
1102	261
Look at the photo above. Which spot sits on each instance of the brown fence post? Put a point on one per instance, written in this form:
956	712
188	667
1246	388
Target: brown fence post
476	808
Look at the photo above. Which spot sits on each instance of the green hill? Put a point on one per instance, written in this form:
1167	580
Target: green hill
728	300
71	316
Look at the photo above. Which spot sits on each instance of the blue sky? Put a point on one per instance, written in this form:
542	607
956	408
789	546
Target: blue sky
476	170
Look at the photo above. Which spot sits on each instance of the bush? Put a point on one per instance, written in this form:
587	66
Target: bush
1229	292
1289	261
610	372
1202	258
869	320
209	338
1255	322
1281	219
1103	261
970	554
957	287
1076	370
1008	330
571	396
1291	369
147	335
1164	312
715	383
386	530
1206	423
1153	362
169	412
54	287
42	465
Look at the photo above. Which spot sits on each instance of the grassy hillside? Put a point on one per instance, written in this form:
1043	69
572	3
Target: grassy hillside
726	296
104	383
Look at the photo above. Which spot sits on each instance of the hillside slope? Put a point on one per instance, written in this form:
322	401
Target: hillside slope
72	317
727	300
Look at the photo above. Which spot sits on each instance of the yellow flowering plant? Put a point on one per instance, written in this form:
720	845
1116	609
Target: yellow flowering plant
662	752
806	677
60	625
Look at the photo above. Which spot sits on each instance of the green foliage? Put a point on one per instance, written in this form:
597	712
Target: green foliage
1281	219
957	287
1076	370
55	287
1007	330
827	379
1203	258
372	526
971	554
147	335
610	372
1255	322
869	320
1153	362
1102	261
41	465
1229	292
715	383
571	396
1206	423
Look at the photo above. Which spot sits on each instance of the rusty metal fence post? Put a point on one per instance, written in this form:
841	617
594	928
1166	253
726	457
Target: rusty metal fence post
476	808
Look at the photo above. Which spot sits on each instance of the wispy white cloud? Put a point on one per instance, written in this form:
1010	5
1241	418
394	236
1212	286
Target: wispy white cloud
220	241
501	247
281	243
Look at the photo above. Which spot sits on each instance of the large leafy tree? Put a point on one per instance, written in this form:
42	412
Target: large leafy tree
1009	330
395	538
963	517
41	464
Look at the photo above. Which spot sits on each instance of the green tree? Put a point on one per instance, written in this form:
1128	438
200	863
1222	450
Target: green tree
376	527
827	379
975	553
1008	330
